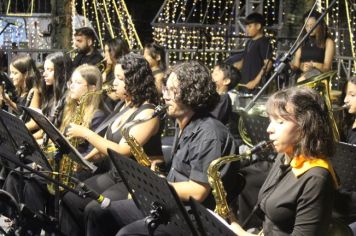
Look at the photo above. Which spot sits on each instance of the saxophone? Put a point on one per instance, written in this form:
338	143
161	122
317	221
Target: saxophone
67	166
135	148
214	178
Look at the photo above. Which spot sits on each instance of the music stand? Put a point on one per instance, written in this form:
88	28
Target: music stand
208	224
344	164
58	139
16	138
154	196
63	148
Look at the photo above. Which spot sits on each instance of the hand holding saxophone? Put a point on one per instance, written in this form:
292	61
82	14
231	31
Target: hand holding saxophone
75	130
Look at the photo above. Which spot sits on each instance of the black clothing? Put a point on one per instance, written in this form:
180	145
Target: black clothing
91	59
223	109
311	52
108	184
203	140
351	136
296	205
256	51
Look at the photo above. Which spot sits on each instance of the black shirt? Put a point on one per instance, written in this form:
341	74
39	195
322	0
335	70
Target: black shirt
203	140
256	51
223	109
351	136
311	52
91	59
296	205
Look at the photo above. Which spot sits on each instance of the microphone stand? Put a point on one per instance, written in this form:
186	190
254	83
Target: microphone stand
286	59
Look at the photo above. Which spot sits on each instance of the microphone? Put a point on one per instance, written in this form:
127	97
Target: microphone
159	110
88	192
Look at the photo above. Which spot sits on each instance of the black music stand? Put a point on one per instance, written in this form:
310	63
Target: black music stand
208	224
344	164
63	148
15	138
58	139
154	196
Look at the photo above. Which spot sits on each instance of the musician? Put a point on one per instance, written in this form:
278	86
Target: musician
297	196
84	39
199	139
318	51
257	57
350	101
134	84
156	57
225	77
26	79
113	50
57	72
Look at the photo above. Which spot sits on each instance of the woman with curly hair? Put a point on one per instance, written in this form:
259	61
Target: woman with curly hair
134	83
190	94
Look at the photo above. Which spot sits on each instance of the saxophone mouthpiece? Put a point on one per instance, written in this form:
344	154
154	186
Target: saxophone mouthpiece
159	110
260	147
343	107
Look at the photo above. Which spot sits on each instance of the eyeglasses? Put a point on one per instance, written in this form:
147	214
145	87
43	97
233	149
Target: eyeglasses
170	92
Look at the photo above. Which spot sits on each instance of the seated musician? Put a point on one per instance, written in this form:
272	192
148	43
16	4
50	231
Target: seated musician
317	52
225	77
57	72
297	196
134	84
199	139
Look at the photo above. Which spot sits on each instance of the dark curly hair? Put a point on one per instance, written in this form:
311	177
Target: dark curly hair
311	114
139	81
196	88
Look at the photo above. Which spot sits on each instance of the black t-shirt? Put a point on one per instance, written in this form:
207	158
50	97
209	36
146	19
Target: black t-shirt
351	136
296	205
203	140
311	52
91	59
256	51
223	109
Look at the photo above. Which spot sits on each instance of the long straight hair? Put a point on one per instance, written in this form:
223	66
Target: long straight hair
27	66
92	76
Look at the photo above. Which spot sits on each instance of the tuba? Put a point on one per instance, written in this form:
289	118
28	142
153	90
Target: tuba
67	166
214	178
321	84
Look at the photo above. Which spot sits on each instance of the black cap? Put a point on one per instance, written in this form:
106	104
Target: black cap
255	18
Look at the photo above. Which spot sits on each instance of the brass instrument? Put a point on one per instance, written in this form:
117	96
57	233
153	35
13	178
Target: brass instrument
321	84
135	148
67	166
214	178
101	65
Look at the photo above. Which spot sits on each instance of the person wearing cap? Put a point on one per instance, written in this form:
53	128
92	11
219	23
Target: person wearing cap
256	61
84	39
